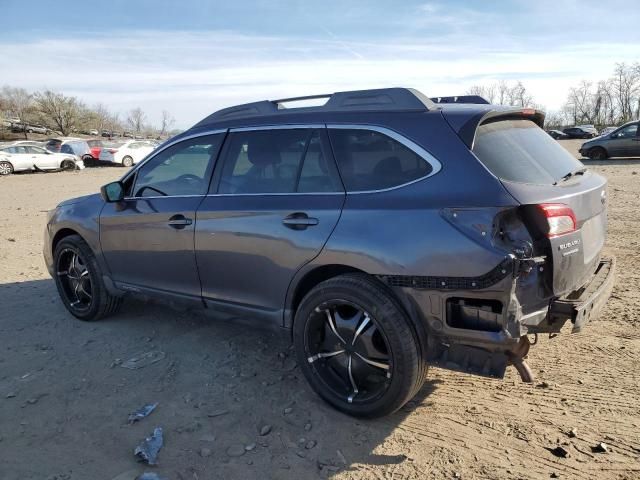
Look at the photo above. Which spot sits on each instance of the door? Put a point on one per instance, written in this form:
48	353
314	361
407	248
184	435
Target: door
147	239
624	142
277	201
42	159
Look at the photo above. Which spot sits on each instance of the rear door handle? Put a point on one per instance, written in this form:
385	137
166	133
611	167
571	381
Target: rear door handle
179	222
299	221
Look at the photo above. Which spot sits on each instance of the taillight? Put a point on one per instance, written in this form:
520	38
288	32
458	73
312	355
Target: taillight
560	219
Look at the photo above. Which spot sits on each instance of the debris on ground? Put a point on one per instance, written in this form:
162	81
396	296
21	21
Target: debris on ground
559	451
543	385
265	429
149	476
217	413
142	412
148	450
143	359
573	433
236	450
205	452
601	447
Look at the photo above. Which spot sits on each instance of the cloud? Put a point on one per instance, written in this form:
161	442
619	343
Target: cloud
192	74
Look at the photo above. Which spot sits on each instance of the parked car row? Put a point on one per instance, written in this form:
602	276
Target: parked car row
31	156
68	153
18	127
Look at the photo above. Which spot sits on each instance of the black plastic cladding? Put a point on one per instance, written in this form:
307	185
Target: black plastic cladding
490	278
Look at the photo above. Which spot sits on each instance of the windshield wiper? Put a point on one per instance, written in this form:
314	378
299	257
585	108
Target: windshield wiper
579	171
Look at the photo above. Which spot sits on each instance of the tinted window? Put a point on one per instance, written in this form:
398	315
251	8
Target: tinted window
276	161
370	160
520	151
628	132
66	148
183	169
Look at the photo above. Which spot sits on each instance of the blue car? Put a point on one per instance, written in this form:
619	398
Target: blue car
383	230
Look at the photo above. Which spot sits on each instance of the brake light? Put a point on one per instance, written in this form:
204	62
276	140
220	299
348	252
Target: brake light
560	218
528	111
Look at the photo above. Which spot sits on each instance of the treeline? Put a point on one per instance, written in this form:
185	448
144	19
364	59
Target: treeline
609	102
67	114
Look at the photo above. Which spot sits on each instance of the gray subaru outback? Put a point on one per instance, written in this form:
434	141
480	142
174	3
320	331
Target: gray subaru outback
386	231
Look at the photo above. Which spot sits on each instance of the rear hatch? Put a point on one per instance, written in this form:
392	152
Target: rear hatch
563	203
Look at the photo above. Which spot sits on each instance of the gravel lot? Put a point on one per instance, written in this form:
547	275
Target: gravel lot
233	403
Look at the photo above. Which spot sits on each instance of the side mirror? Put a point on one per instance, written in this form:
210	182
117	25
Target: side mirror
112	192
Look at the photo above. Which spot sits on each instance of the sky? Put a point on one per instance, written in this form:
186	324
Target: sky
192	57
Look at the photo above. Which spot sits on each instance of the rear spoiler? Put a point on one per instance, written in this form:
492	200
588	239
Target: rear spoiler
466	124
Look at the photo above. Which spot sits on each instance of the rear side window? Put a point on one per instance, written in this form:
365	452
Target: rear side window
370	160
520	151
277	161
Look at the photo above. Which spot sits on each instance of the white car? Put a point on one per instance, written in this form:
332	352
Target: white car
126	153
18	157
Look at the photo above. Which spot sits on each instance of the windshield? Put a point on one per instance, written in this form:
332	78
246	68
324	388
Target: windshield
520	151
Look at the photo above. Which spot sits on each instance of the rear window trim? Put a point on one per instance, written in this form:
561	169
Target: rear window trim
435	164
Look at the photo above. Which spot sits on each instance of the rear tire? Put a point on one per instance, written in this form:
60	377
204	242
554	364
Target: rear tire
357	347
79	281
598	153
127	161
6	168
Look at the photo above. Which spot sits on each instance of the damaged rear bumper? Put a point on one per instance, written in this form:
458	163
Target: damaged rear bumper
586	303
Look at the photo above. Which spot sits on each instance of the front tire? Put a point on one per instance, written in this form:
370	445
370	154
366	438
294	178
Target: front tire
6	168
356	346
127	161
598	153
68	165
79	281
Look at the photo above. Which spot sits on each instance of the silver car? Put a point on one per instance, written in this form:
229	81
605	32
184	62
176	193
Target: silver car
621	142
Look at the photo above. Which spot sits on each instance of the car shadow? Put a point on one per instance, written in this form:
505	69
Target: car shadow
232	399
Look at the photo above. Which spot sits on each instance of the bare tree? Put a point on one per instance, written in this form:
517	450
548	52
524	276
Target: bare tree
63	112
167	122
100	116
136	120
626	86
19	103
503	94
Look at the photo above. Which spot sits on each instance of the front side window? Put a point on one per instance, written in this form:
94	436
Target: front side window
370	160
277	161
182	169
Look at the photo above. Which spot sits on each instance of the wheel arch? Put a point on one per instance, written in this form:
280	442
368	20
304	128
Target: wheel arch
61	234
601	147
309	279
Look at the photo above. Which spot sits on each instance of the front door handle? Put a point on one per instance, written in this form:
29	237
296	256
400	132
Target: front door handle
179	222
299	221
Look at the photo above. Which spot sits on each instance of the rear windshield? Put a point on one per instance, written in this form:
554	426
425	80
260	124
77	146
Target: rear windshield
520	151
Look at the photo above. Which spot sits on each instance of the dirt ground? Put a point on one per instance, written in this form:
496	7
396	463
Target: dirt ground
65	397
